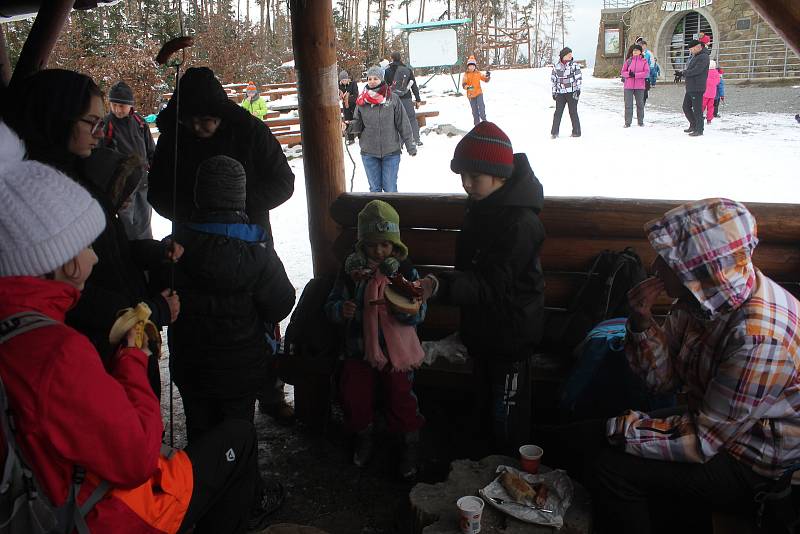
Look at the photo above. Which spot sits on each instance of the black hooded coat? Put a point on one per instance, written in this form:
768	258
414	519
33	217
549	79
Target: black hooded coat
498	282
270	180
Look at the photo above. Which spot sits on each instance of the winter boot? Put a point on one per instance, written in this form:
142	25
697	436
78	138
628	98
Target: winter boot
409	464
364	446
269	499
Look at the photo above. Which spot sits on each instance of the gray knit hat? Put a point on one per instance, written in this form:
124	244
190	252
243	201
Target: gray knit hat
344	75
121	93
221	185
46	218
375	70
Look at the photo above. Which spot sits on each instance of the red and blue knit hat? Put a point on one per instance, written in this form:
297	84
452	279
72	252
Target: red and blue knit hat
486	149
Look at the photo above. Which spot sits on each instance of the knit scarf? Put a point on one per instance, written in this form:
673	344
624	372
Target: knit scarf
376	96
402	343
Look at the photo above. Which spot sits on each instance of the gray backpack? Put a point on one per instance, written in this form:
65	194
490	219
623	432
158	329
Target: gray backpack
24	508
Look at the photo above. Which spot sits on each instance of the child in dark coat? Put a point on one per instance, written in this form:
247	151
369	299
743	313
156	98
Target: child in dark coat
235	286
381	344
498	282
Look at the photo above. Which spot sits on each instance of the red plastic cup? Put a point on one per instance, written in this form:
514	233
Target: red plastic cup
530	456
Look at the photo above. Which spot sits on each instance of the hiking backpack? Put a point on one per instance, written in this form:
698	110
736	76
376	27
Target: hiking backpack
401	84
602	384
24	508
602	296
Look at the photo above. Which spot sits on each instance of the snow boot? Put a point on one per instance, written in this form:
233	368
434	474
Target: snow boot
409	463
363	447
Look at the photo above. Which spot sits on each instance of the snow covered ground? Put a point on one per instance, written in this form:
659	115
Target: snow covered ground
747	156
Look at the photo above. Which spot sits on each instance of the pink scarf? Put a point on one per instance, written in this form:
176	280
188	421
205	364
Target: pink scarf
376	96
402	343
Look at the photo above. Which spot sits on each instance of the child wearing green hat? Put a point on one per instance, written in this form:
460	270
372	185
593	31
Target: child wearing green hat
381	344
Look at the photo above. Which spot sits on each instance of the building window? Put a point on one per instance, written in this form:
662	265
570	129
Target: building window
612	39
743	24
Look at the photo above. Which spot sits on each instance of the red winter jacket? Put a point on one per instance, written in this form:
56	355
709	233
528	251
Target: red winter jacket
70	411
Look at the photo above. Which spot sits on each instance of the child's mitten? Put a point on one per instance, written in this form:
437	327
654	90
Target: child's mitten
389	266
355	262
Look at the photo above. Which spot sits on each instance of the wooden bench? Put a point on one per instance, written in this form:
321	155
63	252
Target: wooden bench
578	229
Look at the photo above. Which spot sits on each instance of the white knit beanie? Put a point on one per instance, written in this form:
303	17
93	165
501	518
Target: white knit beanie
46	218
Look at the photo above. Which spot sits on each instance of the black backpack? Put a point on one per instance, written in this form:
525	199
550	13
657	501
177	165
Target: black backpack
401	83
24	508
310	333
602	296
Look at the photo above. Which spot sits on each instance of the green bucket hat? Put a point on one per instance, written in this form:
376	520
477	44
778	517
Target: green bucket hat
379	221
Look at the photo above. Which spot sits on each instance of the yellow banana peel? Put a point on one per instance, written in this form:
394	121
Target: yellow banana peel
139	319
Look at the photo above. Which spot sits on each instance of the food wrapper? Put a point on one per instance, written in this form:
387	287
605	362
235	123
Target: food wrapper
559	496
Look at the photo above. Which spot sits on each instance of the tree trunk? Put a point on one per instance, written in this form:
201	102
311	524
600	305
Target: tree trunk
314	44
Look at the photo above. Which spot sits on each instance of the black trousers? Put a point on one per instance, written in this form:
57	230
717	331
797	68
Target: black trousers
638	495
205	413
562	100
224	467
693	109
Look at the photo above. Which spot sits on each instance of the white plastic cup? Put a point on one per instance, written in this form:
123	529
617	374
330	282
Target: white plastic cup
470	509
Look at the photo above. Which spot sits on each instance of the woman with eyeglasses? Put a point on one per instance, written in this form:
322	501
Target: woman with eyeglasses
59	116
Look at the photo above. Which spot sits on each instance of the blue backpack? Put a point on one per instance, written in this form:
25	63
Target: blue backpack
602	384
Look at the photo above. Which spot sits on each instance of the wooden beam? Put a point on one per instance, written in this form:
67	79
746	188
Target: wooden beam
314	43
5	61
784	17
42	38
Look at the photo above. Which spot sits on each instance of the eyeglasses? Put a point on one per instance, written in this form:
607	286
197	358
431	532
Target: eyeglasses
97	124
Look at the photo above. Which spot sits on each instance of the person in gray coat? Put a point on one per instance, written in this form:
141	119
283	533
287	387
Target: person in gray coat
383	128
695	75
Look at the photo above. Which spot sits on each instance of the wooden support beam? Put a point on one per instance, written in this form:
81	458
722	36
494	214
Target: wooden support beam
5	61
314	43
784	17
42	38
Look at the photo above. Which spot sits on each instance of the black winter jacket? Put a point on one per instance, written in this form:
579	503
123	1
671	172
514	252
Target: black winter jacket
696	72
232	284
498	282
117	281
270	180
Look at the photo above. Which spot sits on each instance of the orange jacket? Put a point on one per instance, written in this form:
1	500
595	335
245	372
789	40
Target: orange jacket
472	83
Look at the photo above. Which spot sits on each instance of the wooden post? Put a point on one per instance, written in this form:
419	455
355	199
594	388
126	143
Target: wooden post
42	37
314	41
784	17
5	61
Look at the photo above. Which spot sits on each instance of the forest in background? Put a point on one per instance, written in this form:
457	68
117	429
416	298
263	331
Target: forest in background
249	40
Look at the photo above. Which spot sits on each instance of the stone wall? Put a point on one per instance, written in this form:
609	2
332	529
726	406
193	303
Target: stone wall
657	26
608	66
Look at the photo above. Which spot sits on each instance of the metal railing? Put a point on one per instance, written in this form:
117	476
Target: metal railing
621	4
741	59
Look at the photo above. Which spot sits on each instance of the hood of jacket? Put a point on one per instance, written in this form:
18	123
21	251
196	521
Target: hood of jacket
522	190
709	244
200	93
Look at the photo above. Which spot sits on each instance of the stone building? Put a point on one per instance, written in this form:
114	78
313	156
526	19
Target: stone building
742	43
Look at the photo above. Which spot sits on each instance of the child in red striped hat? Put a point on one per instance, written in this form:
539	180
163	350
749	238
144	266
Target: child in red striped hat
498	282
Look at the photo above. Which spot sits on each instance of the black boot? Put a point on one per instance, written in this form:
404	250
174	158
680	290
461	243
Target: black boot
363	447
409	464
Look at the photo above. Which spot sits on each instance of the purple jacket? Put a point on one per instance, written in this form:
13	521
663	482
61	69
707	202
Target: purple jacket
641	71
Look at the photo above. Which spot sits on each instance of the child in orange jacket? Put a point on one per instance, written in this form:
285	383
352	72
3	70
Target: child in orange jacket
472	83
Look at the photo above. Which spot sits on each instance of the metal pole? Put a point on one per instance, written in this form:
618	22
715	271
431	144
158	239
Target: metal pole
785	59
5	62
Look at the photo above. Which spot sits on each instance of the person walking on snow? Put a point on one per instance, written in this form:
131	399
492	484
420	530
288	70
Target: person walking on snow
253	102
634	72
566	79
720	92
695	75
383	128
400	77
348	92
472	83
712	82
655	72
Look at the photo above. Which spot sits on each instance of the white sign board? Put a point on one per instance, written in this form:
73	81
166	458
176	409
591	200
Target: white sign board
433	48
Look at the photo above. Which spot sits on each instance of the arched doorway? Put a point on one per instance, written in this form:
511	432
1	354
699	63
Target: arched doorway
687	28
674	35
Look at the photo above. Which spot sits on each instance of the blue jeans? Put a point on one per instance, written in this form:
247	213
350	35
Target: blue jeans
382	172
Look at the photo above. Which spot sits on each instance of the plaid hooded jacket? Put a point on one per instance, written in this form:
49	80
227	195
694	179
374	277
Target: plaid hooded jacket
737	354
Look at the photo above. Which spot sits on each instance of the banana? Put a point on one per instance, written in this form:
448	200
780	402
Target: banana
139	319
